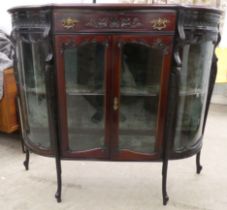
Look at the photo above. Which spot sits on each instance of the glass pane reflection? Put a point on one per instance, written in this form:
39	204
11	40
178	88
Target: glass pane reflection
84	77
193	93
139	90
34	93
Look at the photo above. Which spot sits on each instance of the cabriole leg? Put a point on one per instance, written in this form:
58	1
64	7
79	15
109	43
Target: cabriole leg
27	156
52	117
164	179
198	165
58	168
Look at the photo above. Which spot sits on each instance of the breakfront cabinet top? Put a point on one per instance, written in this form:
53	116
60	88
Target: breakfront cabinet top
64	18
113	6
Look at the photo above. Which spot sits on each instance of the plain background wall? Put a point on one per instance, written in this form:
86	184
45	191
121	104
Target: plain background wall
223	42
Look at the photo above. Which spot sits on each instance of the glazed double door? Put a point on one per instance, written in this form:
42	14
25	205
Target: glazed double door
112	94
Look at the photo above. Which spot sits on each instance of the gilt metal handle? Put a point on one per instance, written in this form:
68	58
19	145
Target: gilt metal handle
69	22
159	23
116	104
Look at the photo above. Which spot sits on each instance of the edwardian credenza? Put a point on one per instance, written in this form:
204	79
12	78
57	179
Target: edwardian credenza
115	82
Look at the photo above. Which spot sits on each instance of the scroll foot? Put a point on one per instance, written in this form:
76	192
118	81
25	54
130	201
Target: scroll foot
59	181
165	196
58	196
26	162
165	199
198	165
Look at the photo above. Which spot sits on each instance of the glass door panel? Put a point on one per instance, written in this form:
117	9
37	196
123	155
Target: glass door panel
84	66
194	83
141	67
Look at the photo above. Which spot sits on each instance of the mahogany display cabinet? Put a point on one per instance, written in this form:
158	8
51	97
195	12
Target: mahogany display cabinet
115	82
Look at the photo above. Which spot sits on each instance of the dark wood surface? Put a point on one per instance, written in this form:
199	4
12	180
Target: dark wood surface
114	6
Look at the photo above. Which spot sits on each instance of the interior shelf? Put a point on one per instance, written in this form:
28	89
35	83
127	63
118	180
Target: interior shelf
191	91
35	91
81	93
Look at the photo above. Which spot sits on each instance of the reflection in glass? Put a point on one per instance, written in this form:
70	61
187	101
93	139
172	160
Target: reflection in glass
193	93
33	92
140	81
84	77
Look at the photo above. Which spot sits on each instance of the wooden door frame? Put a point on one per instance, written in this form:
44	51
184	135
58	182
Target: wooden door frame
162	41
96	153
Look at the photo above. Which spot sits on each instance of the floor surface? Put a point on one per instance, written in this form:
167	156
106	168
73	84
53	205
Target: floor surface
118	186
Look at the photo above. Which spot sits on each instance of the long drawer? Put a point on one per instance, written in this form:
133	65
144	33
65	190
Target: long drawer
73	21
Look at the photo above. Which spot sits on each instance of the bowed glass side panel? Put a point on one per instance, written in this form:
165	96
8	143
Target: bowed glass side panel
33	92
84	79
141	67
194	81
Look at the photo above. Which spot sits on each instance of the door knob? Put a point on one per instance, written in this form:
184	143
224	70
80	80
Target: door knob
115	104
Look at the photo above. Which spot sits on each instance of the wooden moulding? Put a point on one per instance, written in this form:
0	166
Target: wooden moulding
8	110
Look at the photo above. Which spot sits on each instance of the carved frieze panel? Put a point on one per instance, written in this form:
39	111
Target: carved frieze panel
31	19
72	21
114	22
31	26
206	21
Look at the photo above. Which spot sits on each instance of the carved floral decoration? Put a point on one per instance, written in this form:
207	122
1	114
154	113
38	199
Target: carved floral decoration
114	22
158	44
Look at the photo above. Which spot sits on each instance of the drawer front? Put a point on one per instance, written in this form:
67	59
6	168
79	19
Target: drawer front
73	21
